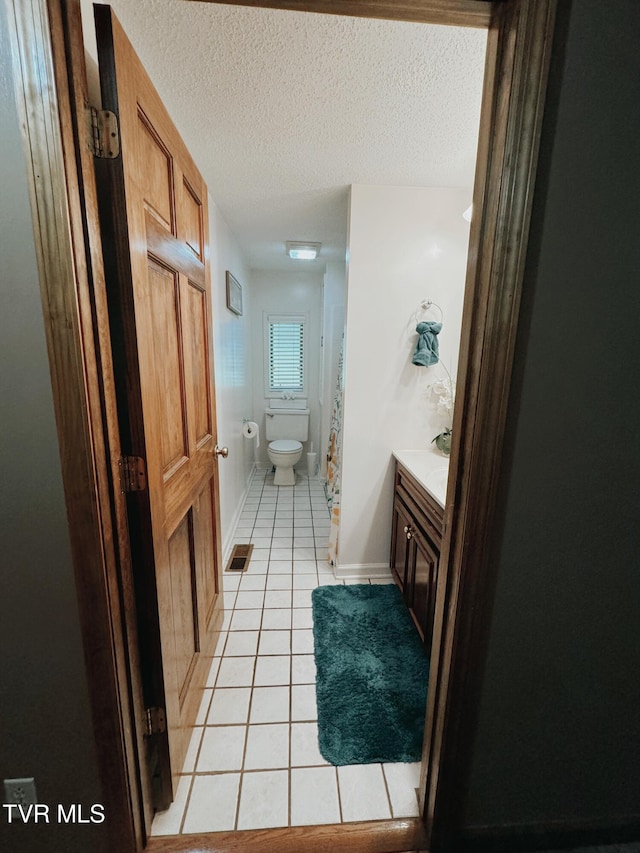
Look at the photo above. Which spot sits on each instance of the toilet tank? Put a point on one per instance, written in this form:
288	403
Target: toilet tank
287	419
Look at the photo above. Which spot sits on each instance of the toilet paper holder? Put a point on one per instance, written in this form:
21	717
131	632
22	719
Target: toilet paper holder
251	430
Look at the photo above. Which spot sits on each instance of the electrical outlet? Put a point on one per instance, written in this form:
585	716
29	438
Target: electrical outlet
20	792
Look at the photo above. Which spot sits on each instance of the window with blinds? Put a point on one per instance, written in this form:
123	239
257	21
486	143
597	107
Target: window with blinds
285	356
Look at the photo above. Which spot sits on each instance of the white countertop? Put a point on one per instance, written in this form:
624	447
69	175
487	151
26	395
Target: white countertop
429	467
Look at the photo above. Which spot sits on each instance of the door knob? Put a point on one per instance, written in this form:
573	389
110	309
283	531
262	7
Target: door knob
221	451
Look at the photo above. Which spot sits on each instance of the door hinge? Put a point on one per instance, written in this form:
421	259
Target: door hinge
103	134
133	474
156	721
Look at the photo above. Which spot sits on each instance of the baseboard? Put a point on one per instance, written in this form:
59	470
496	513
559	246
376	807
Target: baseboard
560	835
228	545
363	570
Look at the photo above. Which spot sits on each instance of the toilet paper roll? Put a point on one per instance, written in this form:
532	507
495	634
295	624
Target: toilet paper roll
251	430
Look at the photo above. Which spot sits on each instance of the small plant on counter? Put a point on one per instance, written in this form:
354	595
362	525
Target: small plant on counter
443	442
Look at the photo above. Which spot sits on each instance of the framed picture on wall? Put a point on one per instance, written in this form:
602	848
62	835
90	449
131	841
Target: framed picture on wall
234	294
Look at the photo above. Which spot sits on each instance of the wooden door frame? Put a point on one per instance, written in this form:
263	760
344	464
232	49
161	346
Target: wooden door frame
47	47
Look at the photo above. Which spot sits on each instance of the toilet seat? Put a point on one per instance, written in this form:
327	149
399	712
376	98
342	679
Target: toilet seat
285	445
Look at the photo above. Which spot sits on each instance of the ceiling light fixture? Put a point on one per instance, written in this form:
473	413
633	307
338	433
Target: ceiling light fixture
303	251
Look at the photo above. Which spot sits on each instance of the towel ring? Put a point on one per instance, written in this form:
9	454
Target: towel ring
427	305
413	321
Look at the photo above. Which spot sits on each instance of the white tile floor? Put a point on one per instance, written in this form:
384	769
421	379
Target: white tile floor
253	760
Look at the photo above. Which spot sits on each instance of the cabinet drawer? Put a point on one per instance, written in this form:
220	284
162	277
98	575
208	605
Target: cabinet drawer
427	505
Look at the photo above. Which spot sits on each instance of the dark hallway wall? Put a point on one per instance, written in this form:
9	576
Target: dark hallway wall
559	727
45	728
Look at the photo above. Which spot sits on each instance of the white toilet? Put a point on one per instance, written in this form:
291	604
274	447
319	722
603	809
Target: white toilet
287	426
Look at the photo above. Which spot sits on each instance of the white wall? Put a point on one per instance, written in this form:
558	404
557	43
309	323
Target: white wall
332	329
287	293
232	341
406	244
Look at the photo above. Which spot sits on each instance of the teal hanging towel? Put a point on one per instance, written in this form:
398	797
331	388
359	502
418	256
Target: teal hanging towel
426	352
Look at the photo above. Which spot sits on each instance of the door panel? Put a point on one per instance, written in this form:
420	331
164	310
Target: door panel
424	586
183	603
156	173
205	543
192	220
164	305
153	205
195	322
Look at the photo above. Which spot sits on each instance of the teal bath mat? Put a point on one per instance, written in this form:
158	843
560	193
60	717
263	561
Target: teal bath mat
372	674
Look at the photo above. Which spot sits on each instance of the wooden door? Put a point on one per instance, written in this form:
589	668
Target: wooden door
153	205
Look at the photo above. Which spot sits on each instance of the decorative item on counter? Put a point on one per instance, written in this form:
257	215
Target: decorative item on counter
443	393
426	352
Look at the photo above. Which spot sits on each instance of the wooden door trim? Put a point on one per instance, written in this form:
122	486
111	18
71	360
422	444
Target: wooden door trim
518	56
459	13
76	325
44	36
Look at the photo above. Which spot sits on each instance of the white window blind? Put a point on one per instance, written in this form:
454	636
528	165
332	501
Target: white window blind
285	335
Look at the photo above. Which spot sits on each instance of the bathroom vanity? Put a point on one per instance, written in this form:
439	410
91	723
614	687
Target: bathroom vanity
416	533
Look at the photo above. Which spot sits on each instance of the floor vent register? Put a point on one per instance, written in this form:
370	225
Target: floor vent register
239	560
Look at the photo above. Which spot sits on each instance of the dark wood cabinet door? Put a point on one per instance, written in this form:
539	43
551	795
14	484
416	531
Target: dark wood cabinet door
400	549
424	558
416	538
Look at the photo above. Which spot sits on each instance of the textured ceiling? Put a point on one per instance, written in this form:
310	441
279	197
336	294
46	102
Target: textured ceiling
283	110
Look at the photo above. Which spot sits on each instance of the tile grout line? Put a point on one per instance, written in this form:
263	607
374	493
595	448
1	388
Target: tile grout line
291	710
197	755
290	768
239	795
250	770
289	780
386	788
206	713
186	804
260	634
340	812
290	730
192	774
246	733
246	742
